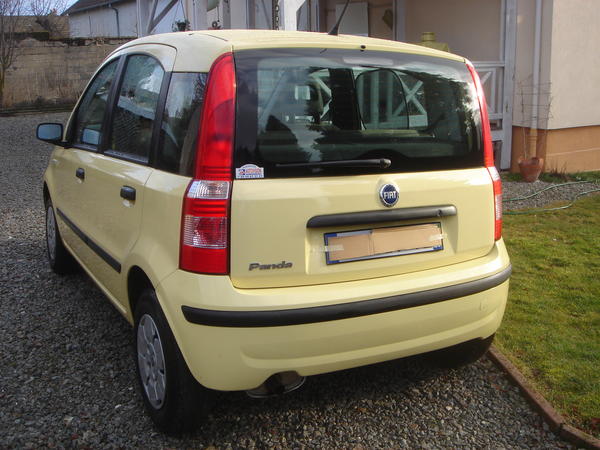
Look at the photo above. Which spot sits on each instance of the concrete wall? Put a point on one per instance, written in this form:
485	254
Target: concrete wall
102	22
470	27
53	72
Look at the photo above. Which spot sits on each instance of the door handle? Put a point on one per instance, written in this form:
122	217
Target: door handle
80	173
128	193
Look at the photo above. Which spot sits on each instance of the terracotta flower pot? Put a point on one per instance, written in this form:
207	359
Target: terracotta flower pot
531	168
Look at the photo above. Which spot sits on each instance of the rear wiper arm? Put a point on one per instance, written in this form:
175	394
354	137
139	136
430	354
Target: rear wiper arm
381	162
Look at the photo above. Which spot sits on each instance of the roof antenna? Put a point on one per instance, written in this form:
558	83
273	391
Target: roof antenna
336	27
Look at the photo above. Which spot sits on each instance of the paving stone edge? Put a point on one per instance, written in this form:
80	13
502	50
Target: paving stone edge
555	421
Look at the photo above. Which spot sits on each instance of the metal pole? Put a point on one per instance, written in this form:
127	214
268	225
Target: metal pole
110	6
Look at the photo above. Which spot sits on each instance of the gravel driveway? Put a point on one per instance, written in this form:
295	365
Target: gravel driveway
67	374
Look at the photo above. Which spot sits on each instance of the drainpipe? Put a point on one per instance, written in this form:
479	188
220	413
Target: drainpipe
533	132
110	6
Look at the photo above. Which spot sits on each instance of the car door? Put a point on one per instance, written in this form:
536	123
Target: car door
117	176
70	192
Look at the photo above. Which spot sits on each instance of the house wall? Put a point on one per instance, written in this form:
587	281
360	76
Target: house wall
453	22
102	22
175	14
377	27
524	64
523	90
564	150
53	72
568	115
445	18
575	64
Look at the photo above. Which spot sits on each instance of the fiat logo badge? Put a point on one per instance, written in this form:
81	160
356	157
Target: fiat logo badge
388	194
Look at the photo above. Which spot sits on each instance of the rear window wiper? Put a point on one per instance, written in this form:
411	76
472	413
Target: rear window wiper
380	162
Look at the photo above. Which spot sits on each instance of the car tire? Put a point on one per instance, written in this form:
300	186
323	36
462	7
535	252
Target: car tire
173	398
461	354
60	260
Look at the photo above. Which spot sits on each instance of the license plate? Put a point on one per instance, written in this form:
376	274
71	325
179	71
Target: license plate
374	243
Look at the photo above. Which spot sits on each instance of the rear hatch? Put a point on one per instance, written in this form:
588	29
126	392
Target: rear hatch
352	164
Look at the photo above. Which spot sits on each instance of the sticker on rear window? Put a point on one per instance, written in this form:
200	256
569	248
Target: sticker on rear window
249	171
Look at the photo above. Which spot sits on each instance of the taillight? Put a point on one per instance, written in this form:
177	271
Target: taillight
204	246
497	201
488	153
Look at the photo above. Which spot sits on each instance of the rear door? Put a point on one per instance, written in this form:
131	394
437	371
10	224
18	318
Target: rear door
354	165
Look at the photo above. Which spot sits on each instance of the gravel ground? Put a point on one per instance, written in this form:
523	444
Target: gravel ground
67	372
560	195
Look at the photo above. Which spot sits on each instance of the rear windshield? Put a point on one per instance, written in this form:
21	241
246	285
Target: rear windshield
298	108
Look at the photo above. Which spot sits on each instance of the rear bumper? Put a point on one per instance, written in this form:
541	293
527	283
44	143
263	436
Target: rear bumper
233	339
316	314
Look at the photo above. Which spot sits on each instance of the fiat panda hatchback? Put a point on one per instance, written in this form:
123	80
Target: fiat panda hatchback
263	206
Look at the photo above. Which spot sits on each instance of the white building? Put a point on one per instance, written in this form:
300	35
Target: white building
99	18
121	18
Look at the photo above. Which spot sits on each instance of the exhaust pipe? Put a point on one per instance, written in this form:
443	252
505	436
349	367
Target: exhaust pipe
278	384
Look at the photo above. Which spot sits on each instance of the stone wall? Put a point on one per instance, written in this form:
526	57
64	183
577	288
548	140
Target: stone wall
46	73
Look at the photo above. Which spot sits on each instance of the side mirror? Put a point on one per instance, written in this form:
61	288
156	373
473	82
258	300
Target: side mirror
50	132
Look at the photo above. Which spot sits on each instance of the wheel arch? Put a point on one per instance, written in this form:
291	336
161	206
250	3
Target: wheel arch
137	282
46	193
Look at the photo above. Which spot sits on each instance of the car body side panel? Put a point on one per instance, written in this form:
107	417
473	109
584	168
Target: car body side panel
156	251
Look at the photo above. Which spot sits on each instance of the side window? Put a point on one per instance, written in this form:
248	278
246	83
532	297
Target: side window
179	129
131	127
90	114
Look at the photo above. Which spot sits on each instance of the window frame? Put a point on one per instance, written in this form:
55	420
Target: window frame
113	103
158	129
72	126
470	152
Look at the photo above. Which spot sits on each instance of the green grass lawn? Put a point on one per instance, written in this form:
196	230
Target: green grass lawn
551	330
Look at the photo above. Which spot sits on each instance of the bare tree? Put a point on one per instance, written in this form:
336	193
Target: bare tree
47	12
44	7
10	11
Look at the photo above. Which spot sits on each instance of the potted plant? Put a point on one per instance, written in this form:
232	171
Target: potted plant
530	168
530	165
181	25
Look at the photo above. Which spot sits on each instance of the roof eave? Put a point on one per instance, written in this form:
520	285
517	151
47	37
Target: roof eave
87	8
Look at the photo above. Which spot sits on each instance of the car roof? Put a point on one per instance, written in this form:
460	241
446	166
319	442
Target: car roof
215	42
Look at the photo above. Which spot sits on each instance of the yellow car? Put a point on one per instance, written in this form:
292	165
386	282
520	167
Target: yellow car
263	206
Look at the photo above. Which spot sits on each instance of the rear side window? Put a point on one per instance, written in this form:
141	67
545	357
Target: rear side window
90	114
298	106
131	128
180	121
